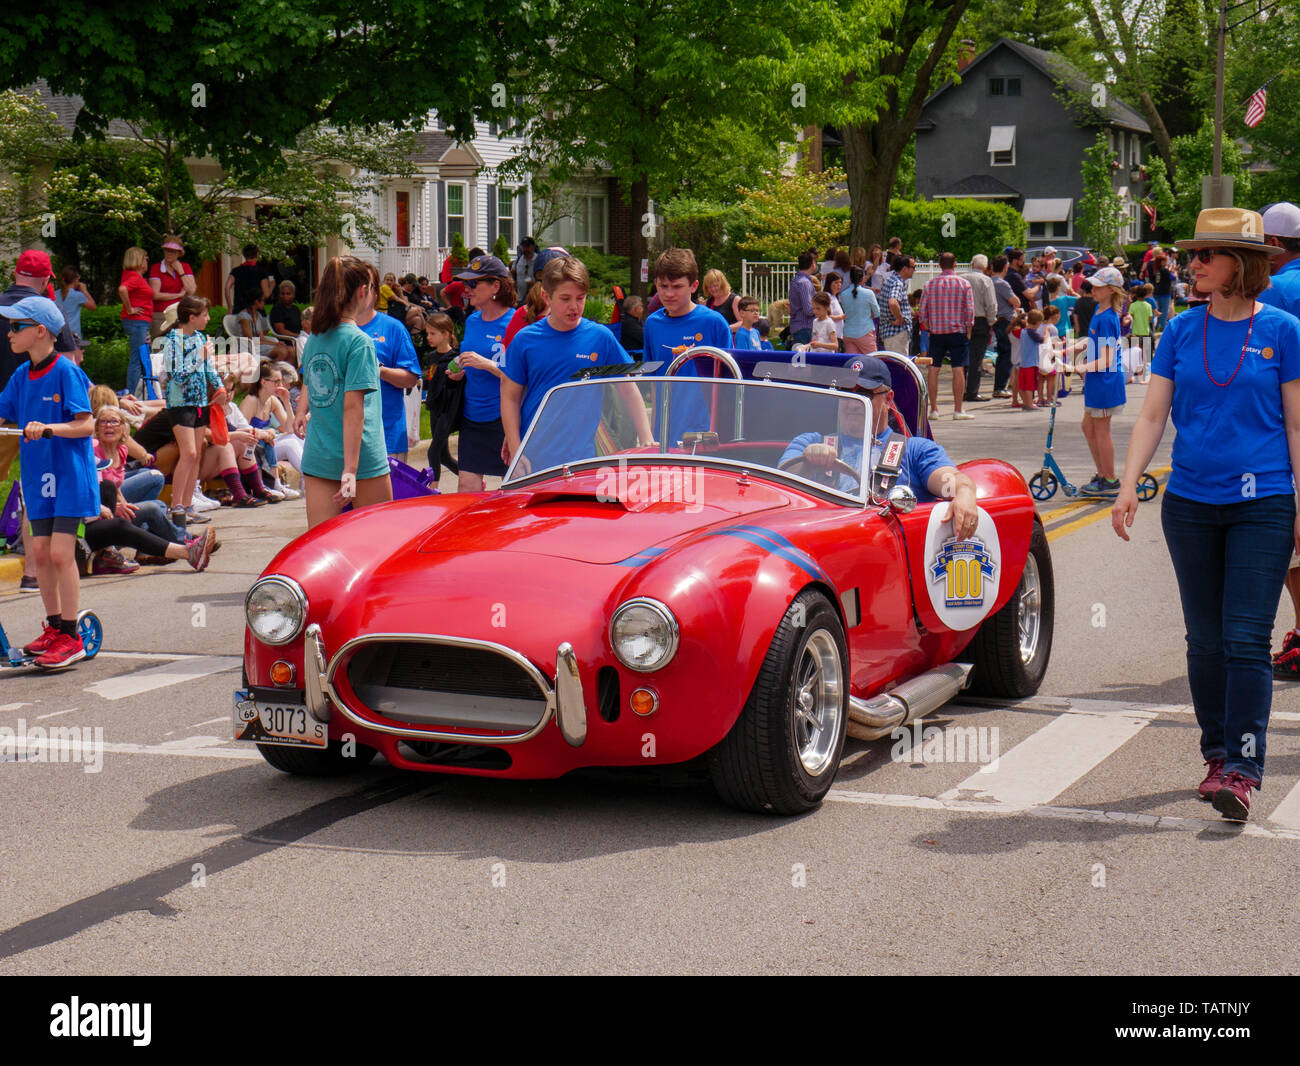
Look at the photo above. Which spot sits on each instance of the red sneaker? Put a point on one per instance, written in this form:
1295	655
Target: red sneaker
64	651
1291	642
41	644
1233	798
1213	779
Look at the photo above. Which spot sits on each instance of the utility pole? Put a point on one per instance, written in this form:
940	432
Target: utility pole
1215	192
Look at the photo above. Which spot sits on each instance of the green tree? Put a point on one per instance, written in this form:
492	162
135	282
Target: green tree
1160	193
1099	212
1194	156
788	214
653	98
1046	24
29	138
868	66
1261	50
246	78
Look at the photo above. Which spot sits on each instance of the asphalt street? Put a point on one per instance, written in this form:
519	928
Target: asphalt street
1083	852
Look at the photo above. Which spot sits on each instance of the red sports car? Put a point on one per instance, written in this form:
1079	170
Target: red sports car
618	603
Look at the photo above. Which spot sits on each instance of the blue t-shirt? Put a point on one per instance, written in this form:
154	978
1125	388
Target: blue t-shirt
541	357
921	458
1104	388
747	340
59	476
859	311
1066	305
393	349
1226	432
71	306
1285	290
482	387
335	363
700	325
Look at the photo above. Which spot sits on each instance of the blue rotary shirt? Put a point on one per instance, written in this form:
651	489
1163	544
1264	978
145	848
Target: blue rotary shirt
58	475
1231	442
482	387
700	325
1285	290
393	349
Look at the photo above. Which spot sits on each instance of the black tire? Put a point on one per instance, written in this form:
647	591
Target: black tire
1000	670
313	762
758	766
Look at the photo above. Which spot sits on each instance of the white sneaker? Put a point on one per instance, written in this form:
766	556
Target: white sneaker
273	496
963	415
286	492
203	503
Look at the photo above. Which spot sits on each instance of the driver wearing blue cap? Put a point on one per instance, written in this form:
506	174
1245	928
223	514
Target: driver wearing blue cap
925	467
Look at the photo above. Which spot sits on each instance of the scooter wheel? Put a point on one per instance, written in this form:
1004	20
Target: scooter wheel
91	632
1147	487
1042	486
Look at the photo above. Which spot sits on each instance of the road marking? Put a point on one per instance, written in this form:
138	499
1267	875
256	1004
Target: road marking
197	747
155	655
1072	814
209	721
1069	705
1287	813
15	706
117	688
1160	473
1046	763
54	714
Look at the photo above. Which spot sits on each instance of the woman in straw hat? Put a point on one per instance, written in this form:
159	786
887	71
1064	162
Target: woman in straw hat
1229	372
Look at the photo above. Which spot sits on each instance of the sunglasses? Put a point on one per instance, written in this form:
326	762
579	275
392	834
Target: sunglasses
1206	255
18	327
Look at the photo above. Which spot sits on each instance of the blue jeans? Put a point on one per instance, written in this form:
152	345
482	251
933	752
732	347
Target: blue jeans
137	333
142	484
1231	560
152	516
1162	305
801	336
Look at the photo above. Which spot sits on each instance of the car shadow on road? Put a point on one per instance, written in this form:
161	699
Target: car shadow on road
573	818
1173	691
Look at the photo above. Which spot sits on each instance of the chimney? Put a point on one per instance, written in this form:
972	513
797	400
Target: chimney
966	54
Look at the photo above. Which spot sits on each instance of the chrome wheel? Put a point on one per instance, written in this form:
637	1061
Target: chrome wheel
818	702
1029	610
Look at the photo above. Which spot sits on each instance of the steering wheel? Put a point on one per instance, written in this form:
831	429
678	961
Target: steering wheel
684	354
809	471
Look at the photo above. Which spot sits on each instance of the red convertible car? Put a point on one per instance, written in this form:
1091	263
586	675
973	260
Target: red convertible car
618	603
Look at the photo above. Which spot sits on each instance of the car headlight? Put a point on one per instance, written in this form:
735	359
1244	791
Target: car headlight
643	634
276	610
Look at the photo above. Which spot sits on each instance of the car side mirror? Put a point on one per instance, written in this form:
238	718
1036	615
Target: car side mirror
902	500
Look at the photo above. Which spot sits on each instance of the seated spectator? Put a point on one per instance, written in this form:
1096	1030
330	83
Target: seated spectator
286	321
633	334
747	312
246	441
215	460
108	532
764	328
408	298
255	326
266	408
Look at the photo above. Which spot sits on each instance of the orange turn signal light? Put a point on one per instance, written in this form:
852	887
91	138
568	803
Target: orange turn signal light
644	701
281	673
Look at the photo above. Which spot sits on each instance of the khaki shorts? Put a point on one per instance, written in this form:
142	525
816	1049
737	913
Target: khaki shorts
1103	412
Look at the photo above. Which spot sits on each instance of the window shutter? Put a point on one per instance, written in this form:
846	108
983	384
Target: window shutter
491	217
521	211
440	239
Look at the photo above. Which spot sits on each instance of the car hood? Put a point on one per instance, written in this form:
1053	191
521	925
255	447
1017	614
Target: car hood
605	517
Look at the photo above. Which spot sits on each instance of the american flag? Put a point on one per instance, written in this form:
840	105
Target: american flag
1255	112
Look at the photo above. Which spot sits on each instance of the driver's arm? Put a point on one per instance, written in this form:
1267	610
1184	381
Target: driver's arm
949	483
635	405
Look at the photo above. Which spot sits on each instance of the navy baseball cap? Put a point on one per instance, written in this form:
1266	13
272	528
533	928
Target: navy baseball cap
872	372
545	257
38	309
484	266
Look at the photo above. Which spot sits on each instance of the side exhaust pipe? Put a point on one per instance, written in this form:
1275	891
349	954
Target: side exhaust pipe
881	715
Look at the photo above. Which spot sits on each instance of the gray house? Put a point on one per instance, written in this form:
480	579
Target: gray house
1014	130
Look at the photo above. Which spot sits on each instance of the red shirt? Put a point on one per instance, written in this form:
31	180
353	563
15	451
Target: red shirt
139	294
517	322
454	294
172	285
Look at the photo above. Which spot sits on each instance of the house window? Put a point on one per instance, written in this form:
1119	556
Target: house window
589	222
997	86
506	214
1002	146
402	231
1048	219
1013	86
455	211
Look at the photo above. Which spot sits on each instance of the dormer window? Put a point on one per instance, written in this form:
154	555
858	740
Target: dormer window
1004	86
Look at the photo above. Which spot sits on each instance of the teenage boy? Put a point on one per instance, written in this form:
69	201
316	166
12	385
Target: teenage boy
681	323
51	395
549	353
746	334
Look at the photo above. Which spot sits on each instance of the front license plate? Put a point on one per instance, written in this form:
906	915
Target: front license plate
277	723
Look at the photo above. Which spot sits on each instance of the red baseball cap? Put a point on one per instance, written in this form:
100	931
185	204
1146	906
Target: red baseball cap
34	264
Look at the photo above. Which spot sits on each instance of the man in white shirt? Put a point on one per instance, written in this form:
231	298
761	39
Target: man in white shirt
986	313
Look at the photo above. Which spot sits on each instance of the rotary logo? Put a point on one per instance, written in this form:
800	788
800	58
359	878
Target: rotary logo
963	564
699	336
1267	353
56	398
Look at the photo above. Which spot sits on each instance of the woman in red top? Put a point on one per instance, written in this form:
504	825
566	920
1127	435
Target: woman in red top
170	280
137	309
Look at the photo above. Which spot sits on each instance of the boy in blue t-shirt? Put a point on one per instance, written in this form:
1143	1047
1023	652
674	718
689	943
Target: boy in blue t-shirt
549	353
746	334
764	329
50	399
680	324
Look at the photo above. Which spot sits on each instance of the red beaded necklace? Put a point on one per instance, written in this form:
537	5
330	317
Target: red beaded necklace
1205	355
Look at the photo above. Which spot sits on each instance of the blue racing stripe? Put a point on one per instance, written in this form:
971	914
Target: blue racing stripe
641	557
805	564
783	542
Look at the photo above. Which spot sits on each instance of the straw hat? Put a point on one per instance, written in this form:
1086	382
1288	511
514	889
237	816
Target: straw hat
1229	227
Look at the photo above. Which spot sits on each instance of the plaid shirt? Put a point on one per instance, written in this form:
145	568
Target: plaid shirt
947	304
894	287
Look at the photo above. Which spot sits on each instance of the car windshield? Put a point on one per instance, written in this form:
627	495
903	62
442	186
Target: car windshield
755	425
